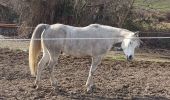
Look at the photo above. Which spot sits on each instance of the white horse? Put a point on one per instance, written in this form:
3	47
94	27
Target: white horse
94	40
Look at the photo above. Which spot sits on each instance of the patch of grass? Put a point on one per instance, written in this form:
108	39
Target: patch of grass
17	49
117	58
162	27
161	5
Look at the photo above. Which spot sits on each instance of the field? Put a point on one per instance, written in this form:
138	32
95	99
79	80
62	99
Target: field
146	78
161	5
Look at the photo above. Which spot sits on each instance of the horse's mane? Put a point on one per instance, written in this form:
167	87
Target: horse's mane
137	40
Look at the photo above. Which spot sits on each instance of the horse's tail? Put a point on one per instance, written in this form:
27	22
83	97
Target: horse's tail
35	47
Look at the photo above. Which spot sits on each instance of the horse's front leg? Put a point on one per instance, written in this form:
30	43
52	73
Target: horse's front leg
95	62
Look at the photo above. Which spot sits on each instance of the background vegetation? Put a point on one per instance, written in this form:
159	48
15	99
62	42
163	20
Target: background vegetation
147	16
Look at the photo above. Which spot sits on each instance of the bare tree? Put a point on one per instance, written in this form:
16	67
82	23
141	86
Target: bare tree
82	12
126	11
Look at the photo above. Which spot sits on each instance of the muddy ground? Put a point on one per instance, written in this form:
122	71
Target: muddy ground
114	79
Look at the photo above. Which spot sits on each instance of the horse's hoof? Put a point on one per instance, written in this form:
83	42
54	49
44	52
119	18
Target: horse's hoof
54	84
90	89
35	87
55	88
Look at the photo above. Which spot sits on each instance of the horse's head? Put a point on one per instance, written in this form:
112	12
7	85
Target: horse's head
129	44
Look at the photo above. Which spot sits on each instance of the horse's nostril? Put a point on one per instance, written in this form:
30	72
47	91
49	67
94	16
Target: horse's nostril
130	57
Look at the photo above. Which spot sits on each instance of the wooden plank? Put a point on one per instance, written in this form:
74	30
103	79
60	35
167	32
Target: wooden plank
2	25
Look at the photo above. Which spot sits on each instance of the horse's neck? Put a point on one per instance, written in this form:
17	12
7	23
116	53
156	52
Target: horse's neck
120	40
122	35
126	33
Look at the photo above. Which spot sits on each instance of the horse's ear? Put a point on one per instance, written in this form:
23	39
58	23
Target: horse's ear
137	34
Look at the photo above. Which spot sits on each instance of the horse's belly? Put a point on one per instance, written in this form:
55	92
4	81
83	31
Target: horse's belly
77	52
78	48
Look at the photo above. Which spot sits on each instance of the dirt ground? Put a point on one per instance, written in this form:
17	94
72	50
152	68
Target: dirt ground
114	79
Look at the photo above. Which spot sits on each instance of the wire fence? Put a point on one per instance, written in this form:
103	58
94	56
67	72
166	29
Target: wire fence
11	39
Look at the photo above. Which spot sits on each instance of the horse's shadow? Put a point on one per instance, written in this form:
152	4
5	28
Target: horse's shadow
148	97
82	96
93	96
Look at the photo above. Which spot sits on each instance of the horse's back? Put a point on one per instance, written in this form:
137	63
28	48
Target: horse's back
90	40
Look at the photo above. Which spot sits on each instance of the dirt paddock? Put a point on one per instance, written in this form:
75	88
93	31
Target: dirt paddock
114	80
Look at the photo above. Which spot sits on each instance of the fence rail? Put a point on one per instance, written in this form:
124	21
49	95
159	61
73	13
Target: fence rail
2	25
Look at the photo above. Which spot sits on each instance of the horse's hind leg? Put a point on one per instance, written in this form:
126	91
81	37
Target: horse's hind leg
53	61
95	62
41	64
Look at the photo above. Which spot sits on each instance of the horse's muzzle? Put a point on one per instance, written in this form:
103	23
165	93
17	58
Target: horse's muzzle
129	58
